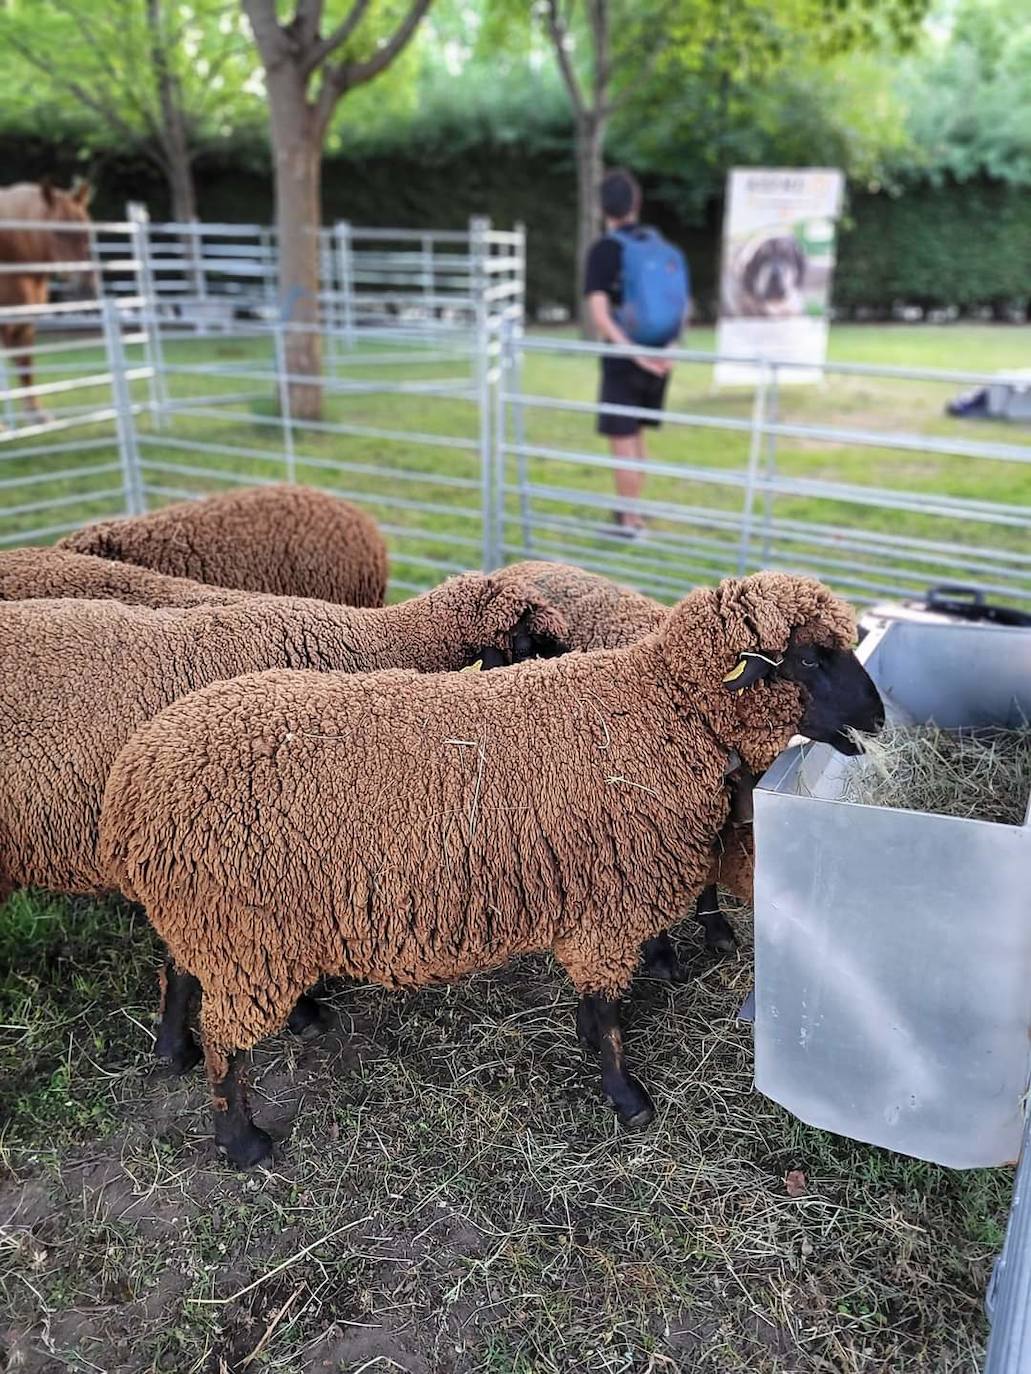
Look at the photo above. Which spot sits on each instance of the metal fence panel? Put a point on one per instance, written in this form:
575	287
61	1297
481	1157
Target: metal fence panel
732	492
71	372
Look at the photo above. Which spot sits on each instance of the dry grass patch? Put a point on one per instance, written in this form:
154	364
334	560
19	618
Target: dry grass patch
451	1194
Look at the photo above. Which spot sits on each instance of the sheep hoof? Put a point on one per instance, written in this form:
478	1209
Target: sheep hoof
637	1109
719	937
307	1015
182	1055
246	1149
660	960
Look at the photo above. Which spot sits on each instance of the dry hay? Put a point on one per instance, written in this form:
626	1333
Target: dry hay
982	774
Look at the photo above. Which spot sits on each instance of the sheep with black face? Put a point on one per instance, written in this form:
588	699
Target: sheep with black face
407	830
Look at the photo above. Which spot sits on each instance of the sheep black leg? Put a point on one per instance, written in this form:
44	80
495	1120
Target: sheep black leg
718	935
307	1014
659	959
599	1018
175	1040
235	1133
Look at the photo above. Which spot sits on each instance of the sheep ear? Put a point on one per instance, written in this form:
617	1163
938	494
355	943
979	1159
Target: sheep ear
751	665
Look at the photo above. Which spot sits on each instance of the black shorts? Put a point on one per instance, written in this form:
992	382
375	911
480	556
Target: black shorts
623	383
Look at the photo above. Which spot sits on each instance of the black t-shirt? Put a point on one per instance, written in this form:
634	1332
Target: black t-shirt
604	269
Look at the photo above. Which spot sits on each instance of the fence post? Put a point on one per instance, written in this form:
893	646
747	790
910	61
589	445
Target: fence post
139	217
285	413
345	270
520	257
479	247
770	464
755	448
499	464
125	420
426	270
328	293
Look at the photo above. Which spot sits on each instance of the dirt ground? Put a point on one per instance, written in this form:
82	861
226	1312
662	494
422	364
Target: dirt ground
450	1194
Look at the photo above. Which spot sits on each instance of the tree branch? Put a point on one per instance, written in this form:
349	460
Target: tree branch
304	26
346	75
99	47
559	33
107	113
599	21
350	74
325	47
273	42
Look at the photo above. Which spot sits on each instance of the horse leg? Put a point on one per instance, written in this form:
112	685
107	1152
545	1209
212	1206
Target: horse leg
26	337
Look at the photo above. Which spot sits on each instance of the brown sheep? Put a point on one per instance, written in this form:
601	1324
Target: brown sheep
407	830
80	676
293	541
602	614
33	573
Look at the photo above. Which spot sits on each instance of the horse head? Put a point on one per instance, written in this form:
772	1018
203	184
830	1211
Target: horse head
71	244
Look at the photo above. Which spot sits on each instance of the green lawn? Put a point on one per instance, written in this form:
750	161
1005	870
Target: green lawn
454	1196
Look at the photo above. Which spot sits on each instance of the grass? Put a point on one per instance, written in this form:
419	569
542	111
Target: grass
450	1193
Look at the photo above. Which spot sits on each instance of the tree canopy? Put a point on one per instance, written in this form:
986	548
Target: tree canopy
749	82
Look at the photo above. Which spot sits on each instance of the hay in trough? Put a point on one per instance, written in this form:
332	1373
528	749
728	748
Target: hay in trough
982	774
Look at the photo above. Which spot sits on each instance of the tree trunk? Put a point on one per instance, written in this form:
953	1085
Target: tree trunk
182	191
590	149
297	142
175	147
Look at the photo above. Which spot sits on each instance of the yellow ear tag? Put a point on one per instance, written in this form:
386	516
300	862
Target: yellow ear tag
736	671
472	667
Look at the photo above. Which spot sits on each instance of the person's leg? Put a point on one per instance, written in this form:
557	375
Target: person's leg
628	481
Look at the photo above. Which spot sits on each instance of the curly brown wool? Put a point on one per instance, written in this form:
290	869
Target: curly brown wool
409	830
293	541
80	676
32	572
601	614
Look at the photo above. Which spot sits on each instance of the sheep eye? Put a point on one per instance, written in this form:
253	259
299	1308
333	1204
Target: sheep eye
810	663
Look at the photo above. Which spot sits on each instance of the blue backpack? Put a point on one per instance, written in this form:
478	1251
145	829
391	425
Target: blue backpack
656	287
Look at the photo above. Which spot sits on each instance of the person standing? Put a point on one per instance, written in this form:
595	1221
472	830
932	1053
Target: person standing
638	291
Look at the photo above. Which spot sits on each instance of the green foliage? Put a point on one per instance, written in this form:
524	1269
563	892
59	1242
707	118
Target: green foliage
937	246
968	98
83	69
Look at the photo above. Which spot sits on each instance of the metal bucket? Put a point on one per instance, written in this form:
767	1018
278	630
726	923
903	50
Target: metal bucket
893	948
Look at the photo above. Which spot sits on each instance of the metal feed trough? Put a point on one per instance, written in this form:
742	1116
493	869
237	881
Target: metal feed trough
892	947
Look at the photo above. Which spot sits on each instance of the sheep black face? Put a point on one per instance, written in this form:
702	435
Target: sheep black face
526	641
839	693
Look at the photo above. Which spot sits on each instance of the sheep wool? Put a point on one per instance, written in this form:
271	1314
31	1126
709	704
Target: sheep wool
601	614
30	572
408	830
80	676
290	540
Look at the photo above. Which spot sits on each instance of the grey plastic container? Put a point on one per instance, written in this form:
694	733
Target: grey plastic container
893	948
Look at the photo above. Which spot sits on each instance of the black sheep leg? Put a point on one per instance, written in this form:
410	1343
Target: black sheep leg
597	1024
718	935
307	1013
175	1040
235	1133
659	959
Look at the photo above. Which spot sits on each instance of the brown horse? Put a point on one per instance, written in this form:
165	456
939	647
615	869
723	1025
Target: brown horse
35	245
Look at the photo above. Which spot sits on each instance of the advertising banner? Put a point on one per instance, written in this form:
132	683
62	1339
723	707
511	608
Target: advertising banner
778	259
